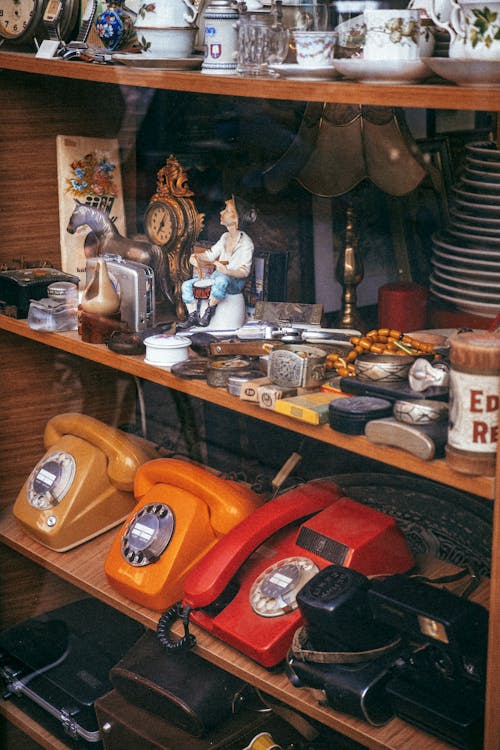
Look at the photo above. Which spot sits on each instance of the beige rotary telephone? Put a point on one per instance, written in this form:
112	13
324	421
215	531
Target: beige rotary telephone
84	483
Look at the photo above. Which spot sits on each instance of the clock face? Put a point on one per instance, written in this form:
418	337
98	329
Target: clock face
20	18
160	223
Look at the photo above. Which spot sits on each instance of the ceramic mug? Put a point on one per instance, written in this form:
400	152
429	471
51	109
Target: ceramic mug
168	43
315	49
474	29
392	34
437	10
167	13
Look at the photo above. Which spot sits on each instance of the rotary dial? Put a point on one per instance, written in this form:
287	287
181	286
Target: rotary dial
50	480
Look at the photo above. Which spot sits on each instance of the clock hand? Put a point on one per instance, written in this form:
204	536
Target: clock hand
162	222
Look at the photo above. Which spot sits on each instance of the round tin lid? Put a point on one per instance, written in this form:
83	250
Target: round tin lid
167	341
362	407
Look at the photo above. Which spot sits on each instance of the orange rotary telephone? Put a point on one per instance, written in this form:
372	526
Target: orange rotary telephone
83	484
244	590
182	511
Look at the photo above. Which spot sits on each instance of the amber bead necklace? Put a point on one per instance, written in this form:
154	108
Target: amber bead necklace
378	341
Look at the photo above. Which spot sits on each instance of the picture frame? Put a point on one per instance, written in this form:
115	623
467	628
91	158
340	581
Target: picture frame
268	279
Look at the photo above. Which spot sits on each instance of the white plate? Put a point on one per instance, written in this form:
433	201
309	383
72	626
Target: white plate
483	309
382	71
492	167
487	275
480	73
477	208
486	150
486	264
483	199
474	284
469	228
160	63
474	183
474	238
469	294
489	179
479	252
294	70
486	221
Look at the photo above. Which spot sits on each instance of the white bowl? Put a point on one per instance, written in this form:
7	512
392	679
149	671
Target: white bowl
168	42
166	350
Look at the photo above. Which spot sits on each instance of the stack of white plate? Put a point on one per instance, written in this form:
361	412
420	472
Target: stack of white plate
466	256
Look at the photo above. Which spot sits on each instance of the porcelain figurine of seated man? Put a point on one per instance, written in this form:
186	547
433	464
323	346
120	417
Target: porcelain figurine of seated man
231	258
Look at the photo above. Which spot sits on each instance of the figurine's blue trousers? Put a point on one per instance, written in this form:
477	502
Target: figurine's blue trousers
222	286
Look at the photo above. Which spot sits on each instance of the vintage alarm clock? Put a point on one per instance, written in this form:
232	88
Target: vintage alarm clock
24	20
172	222
171	219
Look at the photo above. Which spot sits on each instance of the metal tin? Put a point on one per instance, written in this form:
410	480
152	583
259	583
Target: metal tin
221	369
297	366
351	414
235	383
420	412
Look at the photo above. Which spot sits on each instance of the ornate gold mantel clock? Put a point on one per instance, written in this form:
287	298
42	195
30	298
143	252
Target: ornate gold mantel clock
172	222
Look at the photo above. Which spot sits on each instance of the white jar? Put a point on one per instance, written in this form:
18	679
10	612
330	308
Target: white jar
165	350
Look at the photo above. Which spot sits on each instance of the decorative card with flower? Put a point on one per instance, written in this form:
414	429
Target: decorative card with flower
88	170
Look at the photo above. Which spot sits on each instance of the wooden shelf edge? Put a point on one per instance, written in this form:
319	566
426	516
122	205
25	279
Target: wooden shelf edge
30	727
436	470
84	568
437	95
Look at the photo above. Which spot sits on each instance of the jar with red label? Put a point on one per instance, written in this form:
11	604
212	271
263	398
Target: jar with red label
474	399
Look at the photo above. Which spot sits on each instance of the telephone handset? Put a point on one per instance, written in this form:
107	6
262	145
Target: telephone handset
83	484
244	589
182	511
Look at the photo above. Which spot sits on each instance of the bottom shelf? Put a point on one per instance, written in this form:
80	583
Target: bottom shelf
30	729
83	568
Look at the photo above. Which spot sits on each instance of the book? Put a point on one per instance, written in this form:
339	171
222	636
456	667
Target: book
88	170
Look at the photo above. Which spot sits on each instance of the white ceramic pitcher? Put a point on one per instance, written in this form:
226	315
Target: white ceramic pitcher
474	28
167	13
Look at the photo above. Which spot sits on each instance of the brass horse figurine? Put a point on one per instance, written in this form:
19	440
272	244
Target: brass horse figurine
104	237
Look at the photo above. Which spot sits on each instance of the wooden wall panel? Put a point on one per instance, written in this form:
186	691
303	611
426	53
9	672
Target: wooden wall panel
40	382
31	119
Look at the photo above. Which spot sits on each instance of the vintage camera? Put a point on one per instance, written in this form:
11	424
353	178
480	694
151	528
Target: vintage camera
135	286
439	686
397	645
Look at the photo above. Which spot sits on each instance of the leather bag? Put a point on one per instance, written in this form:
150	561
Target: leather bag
181	687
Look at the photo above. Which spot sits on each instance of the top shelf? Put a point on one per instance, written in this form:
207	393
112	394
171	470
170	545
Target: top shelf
436	470
432	96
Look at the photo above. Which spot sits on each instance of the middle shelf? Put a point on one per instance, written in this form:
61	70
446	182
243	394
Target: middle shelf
436	470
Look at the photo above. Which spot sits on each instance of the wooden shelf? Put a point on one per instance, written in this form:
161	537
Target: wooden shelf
83	567
438	95
26	724
437	470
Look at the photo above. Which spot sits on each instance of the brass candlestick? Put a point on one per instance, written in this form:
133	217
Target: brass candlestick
349	273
